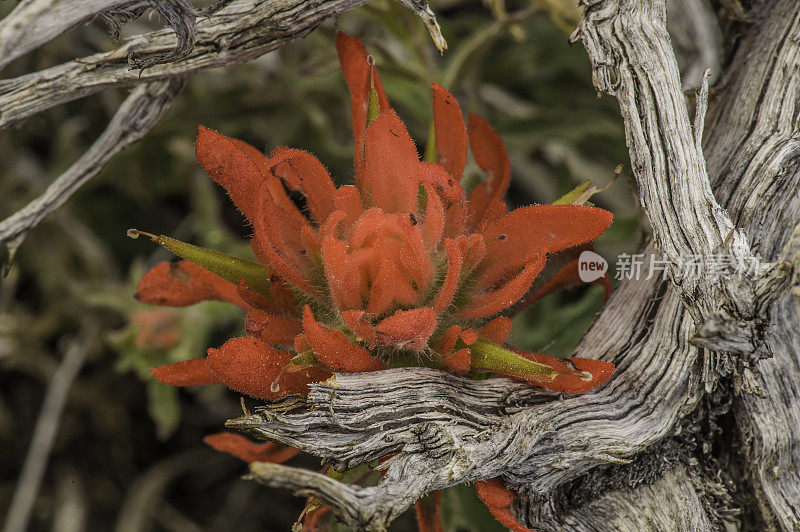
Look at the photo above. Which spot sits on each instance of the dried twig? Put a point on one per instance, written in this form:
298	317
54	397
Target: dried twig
45	431
139	113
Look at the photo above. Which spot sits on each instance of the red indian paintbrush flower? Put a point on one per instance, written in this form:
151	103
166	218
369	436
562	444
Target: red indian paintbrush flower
402	268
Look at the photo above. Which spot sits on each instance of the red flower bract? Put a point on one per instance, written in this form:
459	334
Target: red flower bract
403	262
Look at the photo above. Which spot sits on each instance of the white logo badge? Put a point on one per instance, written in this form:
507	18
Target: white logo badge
591	266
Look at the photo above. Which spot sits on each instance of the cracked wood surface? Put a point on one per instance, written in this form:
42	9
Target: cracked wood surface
754	161
239	32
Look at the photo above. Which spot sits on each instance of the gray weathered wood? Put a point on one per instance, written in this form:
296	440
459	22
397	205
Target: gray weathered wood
753	152
137	115
35	22
240	32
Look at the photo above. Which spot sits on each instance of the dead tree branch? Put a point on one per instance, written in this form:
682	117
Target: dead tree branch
137	115
753	152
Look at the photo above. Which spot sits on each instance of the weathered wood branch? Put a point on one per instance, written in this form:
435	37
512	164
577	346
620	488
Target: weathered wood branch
632	58
137	115
753	156
239	32
498	428
444	429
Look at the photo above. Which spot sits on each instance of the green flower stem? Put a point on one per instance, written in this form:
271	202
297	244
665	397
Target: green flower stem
494	358
230	268
431	153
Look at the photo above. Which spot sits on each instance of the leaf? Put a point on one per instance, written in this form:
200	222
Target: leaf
570	197
487	356
164	408
226	266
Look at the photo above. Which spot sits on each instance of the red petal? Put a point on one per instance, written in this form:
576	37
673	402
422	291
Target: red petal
391	163
389	286
249	451
194	372
415	262
459	361
528	233
178	284
454	221
429	515
342	277
512	291
303	172
271	329
468	336
565	277
334	349
497	330
232	167
432	226
451	134
251	367
359	325
348	200
473	249
311	242
407	329
301	344
448	340
280	301
446	187
353	58
572	383
448	290
498	498
272	249
491	156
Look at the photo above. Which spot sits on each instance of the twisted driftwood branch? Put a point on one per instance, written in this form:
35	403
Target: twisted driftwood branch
241	31
443	430
754	160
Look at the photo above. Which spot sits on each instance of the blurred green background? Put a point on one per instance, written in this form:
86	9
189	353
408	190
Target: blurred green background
128	454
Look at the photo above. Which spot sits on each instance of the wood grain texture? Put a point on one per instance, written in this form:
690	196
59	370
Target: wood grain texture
239	32
753	152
